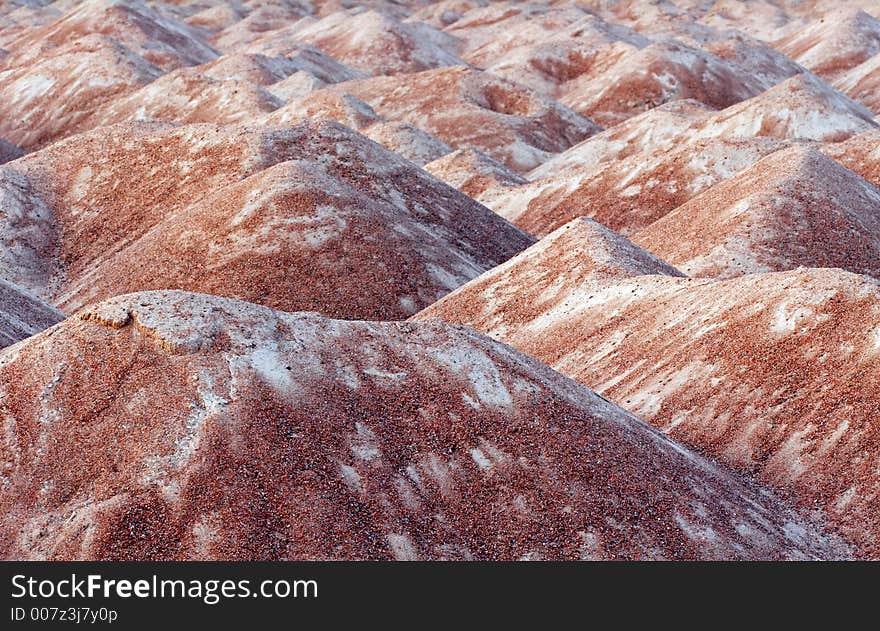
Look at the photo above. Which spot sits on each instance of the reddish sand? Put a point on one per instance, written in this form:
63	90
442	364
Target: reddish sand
704	179
183	426
774	374
793	208
312	217
467	108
